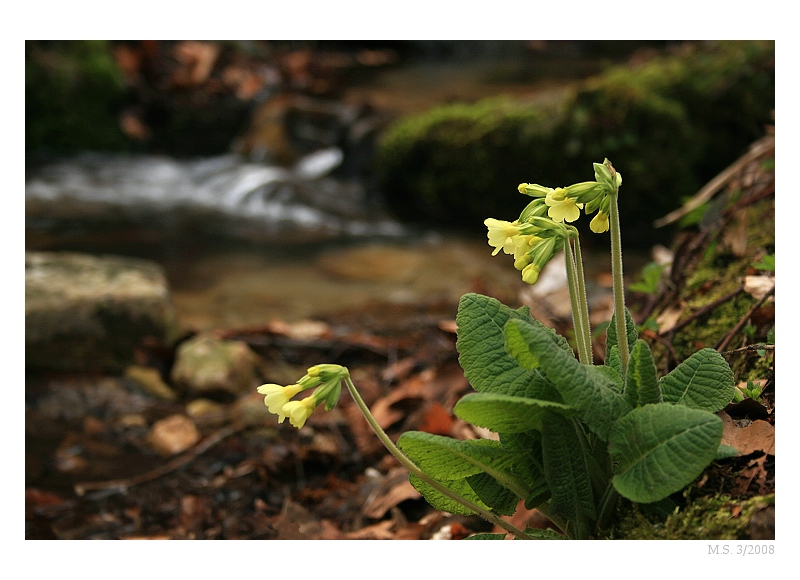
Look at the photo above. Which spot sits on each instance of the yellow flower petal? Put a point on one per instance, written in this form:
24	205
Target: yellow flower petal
299	411
599	223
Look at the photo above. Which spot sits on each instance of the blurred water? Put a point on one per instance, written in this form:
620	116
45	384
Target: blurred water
225	195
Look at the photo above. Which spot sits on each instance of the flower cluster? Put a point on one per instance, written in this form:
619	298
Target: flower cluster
534	239
327	379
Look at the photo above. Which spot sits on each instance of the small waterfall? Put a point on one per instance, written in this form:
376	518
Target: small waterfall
225	195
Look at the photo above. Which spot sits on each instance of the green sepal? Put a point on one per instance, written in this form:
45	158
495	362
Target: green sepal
702	381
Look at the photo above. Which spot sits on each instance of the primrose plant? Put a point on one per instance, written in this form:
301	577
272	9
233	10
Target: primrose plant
572	436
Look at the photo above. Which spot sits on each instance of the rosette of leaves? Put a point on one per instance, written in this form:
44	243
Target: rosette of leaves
572	436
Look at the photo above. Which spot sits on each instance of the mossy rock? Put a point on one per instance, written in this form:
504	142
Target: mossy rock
73	91
668	125
706	518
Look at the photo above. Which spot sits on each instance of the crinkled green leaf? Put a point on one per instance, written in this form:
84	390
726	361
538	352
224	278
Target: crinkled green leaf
660	449
482	352
539	534
726	451
528	447
486	537
614	375
611	332
445	459
613	360
567	475
702	381
506	413
499	498
443	503
594	394
642	388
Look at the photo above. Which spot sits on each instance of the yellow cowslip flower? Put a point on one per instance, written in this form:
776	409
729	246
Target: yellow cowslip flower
277	396
530	273
562	208
523	244
501	235
298	411
599	223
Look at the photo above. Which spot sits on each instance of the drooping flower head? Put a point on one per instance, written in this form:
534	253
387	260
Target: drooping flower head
327	378
277	396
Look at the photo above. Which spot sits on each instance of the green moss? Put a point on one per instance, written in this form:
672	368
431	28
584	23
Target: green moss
706	518
669	126
73	90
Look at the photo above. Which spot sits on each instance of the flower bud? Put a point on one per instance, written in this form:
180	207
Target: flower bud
533	189
530	274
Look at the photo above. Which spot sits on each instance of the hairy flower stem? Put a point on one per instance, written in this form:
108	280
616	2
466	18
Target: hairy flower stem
584	303
619	288
412	467
577	312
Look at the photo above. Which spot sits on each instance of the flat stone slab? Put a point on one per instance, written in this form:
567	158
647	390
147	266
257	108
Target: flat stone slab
86	312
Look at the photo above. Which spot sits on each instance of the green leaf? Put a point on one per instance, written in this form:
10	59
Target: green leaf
482	352
650	278
612	359
662	448
497	497
642	388
445	459
539	534
702	381
766	262
443	503
506	413
726	451
486	537
567	475
586	388
611	332
528	447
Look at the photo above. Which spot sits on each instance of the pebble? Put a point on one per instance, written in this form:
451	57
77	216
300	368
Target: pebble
173	435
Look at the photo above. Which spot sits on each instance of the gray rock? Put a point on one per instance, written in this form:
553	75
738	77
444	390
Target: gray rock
205	363
85	312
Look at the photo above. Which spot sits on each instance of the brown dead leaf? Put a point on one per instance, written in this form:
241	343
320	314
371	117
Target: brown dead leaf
734	236
525	518
668	319
758	286
436	420
756	436
198	59
379	531
754	470
296	523
397	493
366	441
